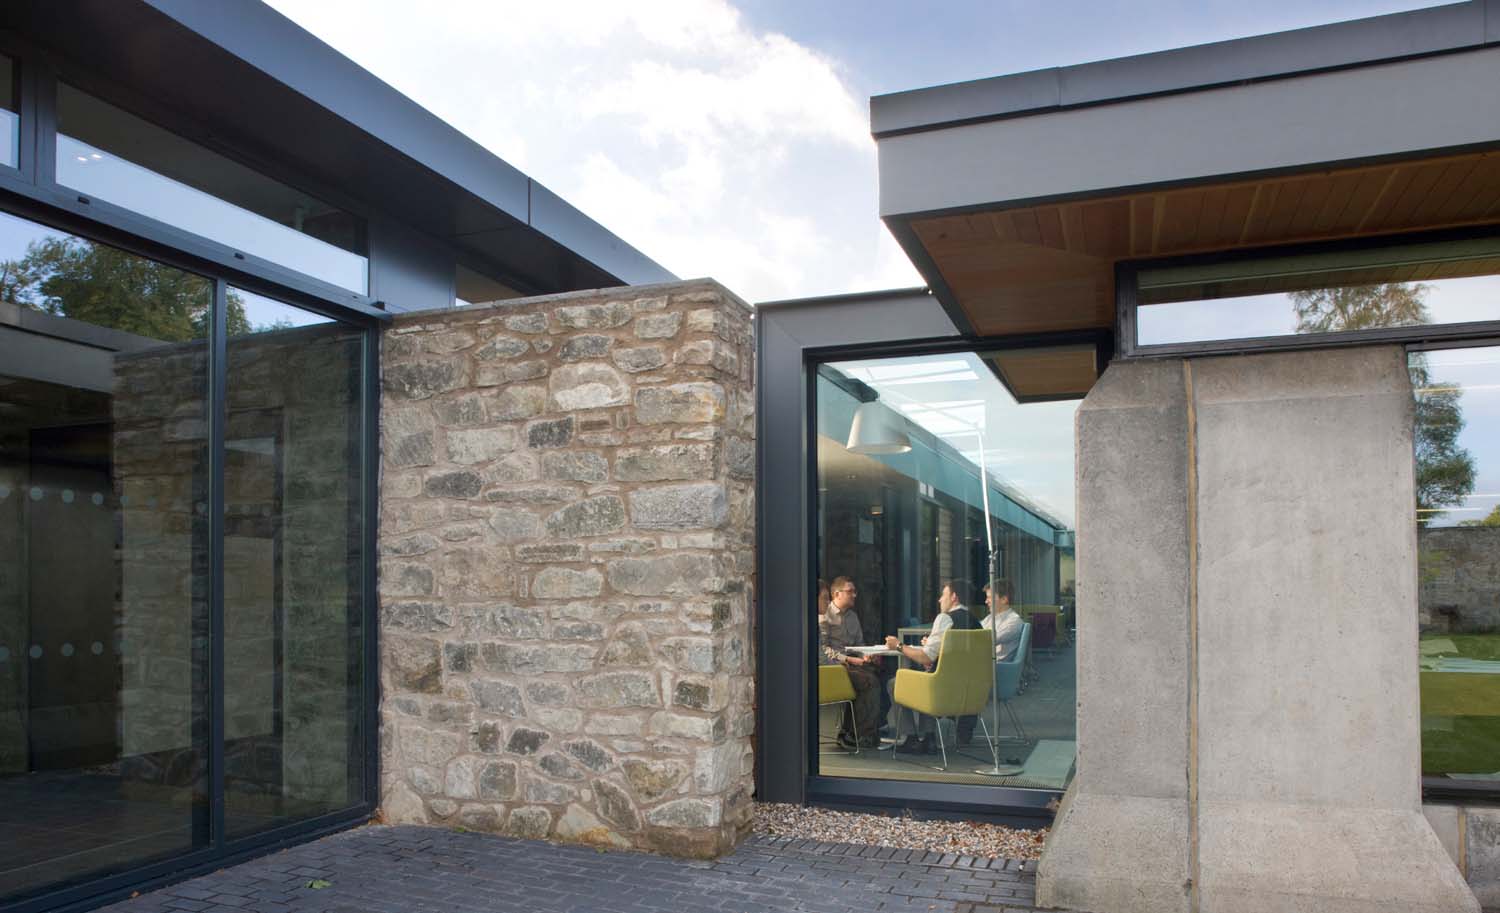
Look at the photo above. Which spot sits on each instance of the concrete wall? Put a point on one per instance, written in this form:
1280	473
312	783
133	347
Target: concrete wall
1249	734
567	529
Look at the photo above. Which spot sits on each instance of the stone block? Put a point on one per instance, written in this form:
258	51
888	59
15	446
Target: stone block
597	516
413	664
529	822
619	689
615	806
575	466
565	583
460	484
511	524
701	505
665	463
419	380
502	698
652	779
658	326
594	316
550	433
537	659
515	402
529	324
635	359
668	575
585	347
581	826
587	385
690	812
479	445
688	403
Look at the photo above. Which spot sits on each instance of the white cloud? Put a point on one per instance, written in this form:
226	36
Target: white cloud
714	149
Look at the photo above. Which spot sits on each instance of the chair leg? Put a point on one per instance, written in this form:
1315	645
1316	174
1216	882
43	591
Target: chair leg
853	725
937	723
1015	720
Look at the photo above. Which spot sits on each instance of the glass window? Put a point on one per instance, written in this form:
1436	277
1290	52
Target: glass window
293	607
1457	439
115	156
1330	292
471	287
10	119
927	466
104	551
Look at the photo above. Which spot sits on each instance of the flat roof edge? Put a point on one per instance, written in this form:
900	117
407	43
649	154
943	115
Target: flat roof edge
284	51
1360	42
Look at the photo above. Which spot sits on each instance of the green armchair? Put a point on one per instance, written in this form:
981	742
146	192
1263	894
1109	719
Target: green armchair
959	686
834	687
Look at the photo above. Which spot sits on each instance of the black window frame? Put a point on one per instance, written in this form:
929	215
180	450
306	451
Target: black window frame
1023	807
35	181
1127	303
29	192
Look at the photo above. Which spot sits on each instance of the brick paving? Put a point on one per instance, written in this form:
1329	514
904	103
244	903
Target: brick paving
432	870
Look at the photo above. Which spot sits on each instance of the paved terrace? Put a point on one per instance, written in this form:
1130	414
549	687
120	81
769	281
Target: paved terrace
428	870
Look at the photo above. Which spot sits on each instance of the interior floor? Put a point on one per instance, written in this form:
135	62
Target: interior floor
1044	759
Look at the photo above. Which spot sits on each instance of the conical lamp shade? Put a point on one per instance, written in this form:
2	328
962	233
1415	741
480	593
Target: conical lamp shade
875	431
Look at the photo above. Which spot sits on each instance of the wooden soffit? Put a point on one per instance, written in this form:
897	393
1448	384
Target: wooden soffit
1051	267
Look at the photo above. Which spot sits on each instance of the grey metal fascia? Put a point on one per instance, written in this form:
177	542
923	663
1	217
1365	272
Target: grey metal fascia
1411	107
1359	42
268	41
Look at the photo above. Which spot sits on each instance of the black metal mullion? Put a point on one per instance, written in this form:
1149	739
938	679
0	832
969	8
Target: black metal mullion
217	379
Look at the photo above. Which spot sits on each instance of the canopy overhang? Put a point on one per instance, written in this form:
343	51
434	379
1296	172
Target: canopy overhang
1016	197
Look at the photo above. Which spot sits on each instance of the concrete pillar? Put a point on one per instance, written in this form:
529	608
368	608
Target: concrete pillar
1249	732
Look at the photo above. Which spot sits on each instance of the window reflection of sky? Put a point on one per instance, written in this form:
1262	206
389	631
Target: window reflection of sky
1448	301
1028	448
1476	372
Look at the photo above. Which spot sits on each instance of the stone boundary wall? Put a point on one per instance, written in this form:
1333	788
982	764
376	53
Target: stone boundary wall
566	568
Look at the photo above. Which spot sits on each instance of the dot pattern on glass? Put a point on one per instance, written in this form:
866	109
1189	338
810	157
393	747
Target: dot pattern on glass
96	648
4	654
4	491
35	651
67	649
36	493
67	496
97	498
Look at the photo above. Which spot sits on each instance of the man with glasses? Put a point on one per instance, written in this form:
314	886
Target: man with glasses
838	628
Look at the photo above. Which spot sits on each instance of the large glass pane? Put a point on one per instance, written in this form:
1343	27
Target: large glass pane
293	604
1458	537
906	524
103	559
118	157
1340	291
10	120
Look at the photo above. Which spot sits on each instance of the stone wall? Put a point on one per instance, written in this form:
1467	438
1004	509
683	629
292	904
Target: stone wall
1459	579
567	534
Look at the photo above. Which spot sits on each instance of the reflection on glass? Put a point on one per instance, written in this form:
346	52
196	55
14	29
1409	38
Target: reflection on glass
292	558
118	157
903	548
103	559
1457	438
10	120
471	287
1411	285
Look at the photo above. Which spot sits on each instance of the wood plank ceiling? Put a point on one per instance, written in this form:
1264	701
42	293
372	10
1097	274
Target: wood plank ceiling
1051	267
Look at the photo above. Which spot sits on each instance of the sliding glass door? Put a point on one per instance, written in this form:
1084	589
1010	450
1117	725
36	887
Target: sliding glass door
182	555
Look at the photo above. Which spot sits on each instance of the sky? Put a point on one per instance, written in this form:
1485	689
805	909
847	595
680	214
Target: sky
732	139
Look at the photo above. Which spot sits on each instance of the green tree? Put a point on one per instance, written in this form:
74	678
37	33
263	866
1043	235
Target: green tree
108	287
1445	471
1490	519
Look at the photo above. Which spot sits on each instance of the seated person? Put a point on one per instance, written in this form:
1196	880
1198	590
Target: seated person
838	627
952	613
1004	621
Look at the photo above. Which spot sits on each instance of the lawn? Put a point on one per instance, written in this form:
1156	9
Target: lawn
1460	704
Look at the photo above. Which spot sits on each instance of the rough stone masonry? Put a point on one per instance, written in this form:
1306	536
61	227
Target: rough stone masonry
566	567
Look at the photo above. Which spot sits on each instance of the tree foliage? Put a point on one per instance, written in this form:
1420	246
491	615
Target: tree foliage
107	287
1490	519
1445	471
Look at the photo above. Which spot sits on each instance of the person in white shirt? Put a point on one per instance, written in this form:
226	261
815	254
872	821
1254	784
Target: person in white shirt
1004	621
951	614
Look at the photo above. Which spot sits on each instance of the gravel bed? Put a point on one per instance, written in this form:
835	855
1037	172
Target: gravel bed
962	838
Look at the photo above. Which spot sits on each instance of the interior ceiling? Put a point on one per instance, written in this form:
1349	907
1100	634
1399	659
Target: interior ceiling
1051	267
